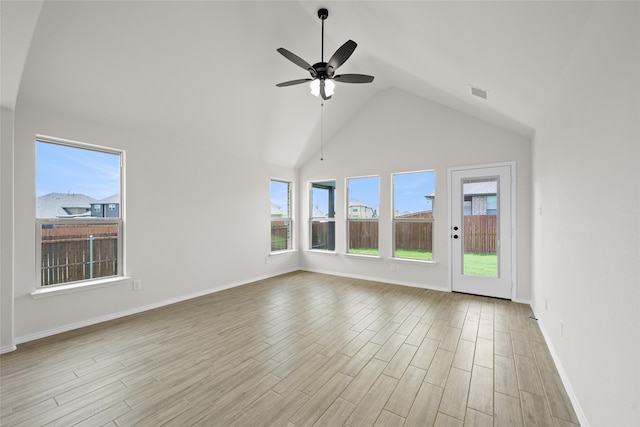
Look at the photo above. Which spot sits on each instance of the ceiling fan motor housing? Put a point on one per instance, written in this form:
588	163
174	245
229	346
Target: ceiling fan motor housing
322	70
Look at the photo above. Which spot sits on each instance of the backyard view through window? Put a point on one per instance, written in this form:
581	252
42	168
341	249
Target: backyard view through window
480	198
363	195
281	224
322	212
413	198
78	212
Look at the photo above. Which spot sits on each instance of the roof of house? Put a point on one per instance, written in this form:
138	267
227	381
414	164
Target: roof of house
111	199
481	187
52	205
276	210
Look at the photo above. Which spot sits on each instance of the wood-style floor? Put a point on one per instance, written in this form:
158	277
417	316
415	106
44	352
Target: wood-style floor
300	349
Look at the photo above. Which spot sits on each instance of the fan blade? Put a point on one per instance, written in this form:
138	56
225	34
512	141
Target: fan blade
342	54
353	78
298	61
293	82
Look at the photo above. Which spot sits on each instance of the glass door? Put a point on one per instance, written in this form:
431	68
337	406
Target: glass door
481	231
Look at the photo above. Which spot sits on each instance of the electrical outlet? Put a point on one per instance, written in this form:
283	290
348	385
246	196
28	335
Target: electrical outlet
266	260
393	267
137	285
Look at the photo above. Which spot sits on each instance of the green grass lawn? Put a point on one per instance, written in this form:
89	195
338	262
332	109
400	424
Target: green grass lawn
485	265
278	243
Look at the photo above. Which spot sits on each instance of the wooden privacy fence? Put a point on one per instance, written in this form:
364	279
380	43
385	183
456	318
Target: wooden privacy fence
279	236
363	234
416	236
480	234
78	252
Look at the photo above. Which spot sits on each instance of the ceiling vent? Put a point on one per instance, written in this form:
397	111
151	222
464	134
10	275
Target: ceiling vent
480	93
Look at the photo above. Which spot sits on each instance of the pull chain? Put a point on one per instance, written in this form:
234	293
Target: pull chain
322	131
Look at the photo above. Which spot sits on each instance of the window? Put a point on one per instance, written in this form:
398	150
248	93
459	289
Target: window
77	239
363	195
281	222
413	198
322	212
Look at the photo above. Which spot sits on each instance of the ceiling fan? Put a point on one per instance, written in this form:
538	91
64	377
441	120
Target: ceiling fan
323	73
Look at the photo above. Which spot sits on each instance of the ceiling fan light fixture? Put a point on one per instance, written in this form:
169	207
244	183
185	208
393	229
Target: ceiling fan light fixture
315	87
329	86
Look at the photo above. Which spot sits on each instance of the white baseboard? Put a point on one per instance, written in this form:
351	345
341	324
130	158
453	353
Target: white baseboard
7	348
378	279
563	376
136	310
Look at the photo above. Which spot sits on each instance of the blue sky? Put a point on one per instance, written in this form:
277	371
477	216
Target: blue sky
409	191
63	169
280	195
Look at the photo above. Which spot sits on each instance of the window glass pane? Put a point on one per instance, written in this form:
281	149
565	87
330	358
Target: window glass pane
323	206
480	227
69	179
78	203
280	199
413	194
280	235
321	198
281	224
364	197
72	252
413	199
362	215
363	237
413	239
322	235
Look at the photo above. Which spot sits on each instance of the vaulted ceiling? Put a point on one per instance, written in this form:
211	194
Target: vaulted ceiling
206	71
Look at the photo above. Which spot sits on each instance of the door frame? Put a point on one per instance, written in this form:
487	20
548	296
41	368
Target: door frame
450	189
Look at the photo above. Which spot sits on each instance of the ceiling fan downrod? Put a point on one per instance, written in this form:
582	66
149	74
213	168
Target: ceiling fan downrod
322	14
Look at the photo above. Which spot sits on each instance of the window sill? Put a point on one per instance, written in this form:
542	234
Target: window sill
287	251
77	287
362	256
414	261
320	251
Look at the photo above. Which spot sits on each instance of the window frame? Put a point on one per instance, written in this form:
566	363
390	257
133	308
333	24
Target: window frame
349	219
331	214
119	277
289	219
395	220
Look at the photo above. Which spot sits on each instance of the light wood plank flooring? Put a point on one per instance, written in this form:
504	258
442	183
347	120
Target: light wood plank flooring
302	349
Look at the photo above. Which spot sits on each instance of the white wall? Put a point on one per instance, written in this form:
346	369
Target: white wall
6	230
587	239
399	132
197	220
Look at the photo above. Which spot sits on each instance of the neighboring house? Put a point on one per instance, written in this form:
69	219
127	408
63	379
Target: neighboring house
359	210
276	212
106	208
317	213
480	198
63	205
